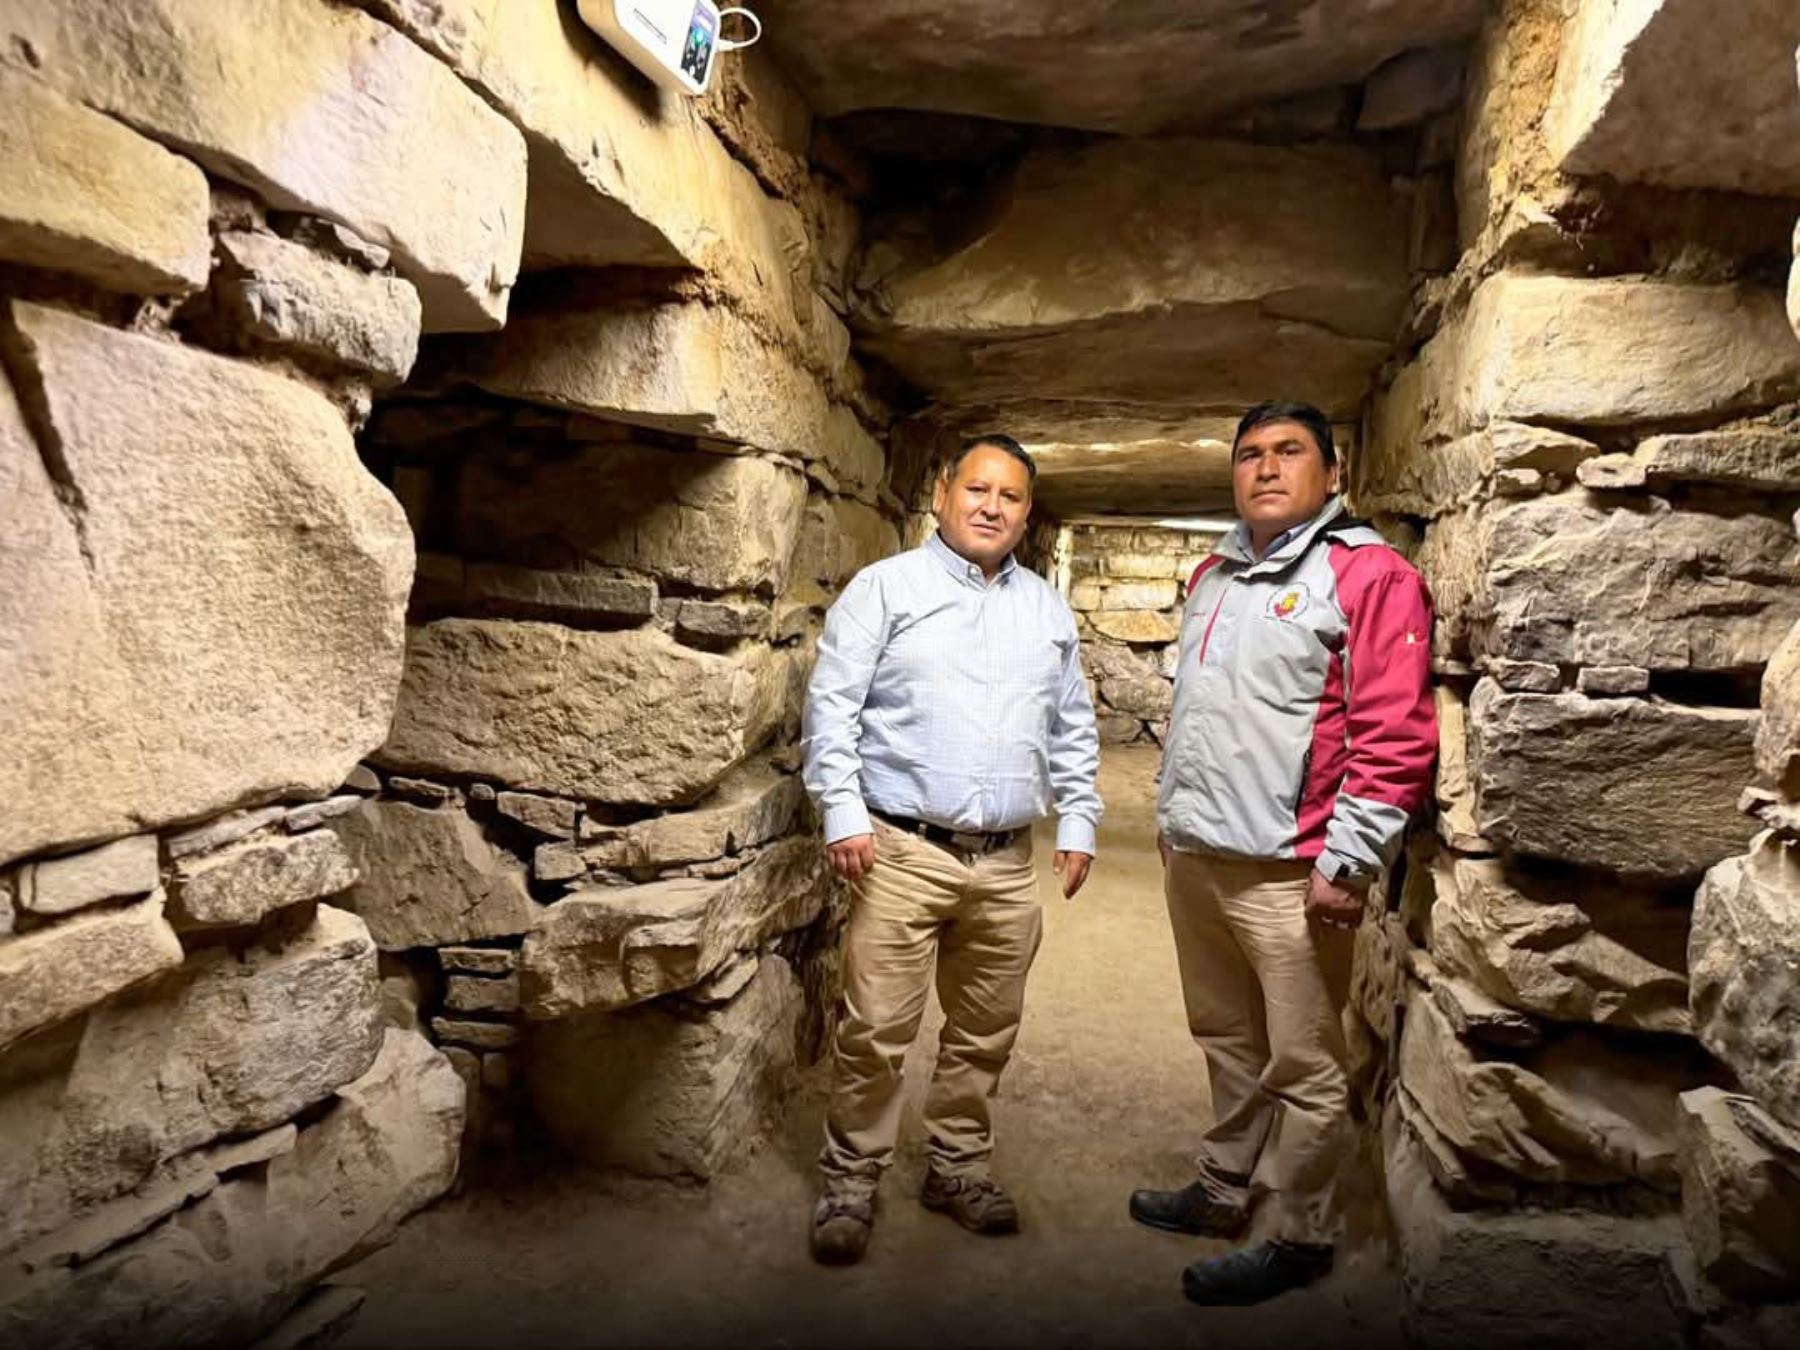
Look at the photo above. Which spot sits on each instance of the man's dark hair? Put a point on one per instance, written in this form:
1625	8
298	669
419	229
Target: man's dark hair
1000	441
1285	410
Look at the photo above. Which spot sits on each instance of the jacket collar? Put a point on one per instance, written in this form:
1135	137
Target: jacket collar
1288	546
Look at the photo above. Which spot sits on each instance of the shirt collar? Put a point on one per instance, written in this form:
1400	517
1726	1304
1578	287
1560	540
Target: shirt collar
1289	542
960	567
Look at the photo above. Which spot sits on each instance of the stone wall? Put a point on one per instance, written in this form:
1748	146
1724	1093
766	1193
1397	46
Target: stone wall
1127	585
1590	450
392	716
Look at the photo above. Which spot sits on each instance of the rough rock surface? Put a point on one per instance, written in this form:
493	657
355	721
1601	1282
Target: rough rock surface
1581	1110
1569	581
1592	1281
755	803
665	1090
1587	953
1410	480
81	194
1754	459
386	140
838	538
427	877
285	295
55	972
606	948
121	869
1602	352
1633	103
1744	971
1778	733
245	884
232	1043
219	611
1643	788
1146	68
721	522
1740	1190
225	1269
1191	318
624	717
685	367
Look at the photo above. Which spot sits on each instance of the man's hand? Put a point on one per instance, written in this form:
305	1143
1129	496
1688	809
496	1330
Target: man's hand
1073	869
852	858
1332	904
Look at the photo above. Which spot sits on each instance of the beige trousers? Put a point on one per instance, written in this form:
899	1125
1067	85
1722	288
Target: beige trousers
977	918
1265	990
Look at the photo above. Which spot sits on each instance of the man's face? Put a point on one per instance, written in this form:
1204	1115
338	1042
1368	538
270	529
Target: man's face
981	512
1279	478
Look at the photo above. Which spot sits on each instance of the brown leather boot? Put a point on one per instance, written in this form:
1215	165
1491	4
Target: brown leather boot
842	1221
977	1203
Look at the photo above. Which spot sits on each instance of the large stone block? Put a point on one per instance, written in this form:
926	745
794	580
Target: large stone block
234	1042
1303	291
683	366
1606	352
427	877
317	108
1581	1111
283	294
202	590
1647	789
625	717
1526	1280
1740	1191
1570	580
1632	102
1603	954
721	522
1156	65
756	803
838	538
79	193
119	870
608	948
223	1270
1754	459
1744	971
668	1090
55	972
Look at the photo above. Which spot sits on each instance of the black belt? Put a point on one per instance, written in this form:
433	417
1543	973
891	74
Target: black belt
962	841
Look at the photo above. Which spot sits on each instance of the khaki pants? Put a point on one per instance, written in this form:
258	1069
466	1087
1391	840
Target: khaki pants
1265	991
978	919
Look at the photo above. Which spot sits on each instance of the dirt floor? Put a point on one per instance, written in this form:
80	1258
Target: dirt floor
1106	1092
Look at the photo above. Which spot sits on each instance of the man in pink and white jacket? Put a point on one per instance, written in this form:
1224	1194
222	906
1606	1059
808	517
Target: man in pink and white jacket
1301	742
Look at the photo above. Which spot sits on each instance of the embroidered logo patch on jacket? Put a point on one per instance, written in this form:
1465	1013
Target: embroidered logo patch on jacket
1289	602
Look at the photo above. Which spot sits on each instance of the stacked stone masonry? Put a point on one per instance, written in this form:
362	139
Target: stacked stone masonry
1591	462
430	453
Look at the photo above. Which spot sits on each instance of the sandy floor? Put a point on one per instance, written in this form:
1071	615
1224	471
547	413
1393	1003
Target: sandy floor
1105	1093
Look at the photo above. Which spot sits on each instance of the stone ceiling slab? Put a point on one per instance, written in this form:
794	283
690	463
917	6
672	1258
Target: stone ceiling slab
1095	63
1633	103
1285	276
1136	478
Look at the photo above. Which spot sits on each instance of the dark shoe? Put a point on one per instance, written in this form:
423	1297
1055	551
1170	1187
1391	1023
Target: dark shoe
977	1203
1192	1209
841	1224
1254	1274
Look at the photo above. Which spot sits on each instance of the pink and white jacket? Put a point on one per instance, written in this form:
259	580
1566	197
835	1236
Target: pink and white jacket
1303	724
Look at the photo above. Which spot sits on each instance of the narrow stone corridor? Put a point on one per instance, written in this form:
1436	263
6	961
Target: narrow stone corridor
1106	1092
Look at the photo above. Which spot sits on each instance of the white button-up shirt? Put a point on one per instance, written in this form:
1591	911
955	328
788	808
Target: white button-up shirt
946	698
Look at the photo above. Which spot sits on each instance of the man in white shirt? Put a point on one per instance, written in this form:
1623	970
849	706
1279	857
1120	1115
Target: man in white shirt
947	712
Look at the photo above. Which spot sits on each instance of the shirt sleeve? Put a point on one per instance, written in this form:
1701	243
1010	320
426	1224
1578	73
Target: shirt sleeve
831	725
1075	759
1391	722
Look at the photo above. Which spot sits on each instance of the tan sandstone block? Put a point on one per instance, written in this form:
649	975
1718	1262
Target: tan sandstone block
217	620
838	538
317	108
119	870
722	522
244	884
1778	733
756	803
1740	1190
623	717
55	972
80	193
1136	625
